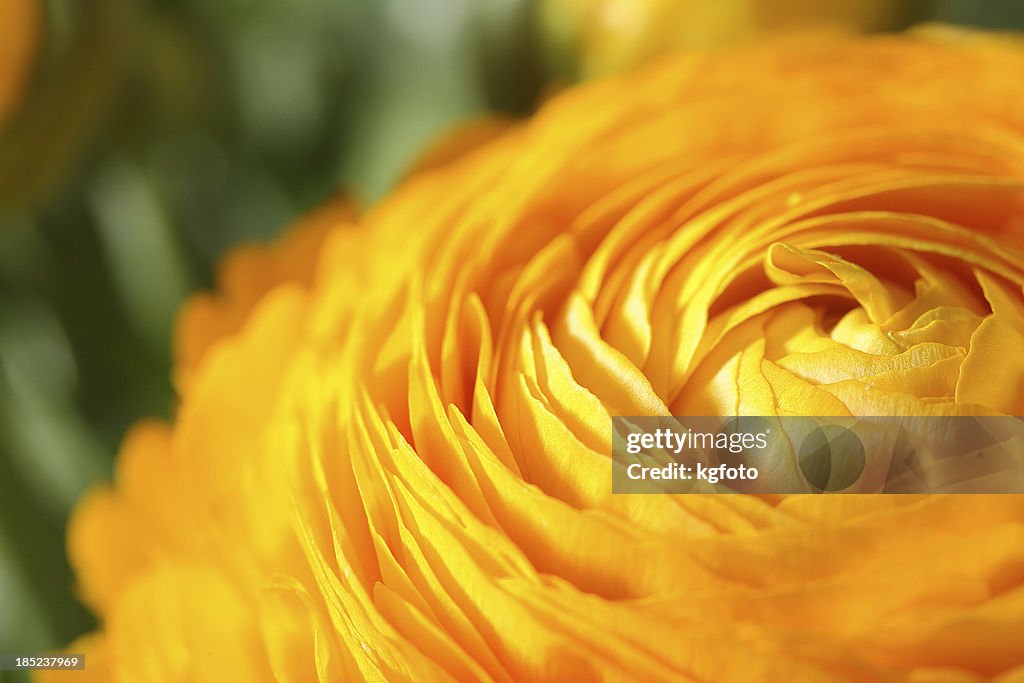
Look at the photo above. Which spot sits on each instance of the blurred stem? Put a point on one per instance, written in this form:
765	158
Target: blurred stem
141	250
34	574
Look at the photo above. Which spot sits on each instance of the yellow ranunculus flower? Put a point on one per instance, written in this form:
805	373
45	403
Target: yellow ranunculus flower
396	467
19	26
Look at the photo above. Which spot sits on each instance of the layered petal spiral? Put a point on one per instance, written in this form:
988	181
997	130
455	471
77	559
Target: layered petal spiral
392	461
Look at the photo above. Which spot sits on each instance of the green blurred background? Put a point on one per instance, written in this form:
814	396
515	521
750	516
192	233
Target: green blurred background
154	134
